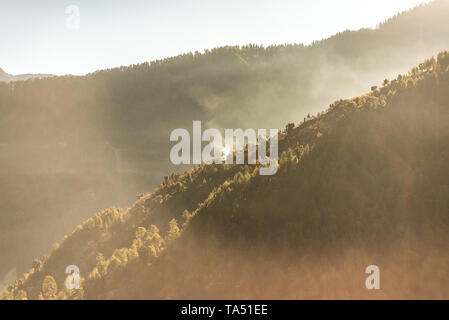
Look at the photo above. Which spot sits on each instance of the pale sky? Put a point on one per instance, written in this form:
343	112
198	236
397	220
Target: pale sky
35	36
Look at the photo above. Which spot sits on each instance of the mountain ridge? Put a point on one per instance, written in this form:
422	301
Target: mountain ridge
6	77
380	161
73	145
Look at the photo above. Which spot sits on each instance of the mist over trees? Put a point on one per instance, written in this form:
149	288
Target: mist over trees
73	145
366	179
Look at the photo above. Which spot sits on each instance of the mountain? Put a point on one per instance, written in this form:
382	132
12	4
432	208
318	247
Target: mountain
365	182
6	77
72	145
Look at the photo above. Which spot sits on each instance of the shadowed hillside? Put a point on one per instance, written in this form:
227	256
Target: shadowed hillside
73	145
365	182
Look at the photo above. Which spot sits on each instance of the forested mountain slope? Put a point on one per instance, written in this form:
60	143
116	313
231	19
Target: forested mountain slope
72	145
365	182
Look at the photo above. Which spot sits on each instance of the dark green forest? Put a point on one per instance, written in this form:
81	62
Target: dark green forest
72	145
365	181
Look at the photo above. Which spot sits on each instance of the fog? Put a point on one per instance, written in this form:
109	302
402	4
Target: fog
73	145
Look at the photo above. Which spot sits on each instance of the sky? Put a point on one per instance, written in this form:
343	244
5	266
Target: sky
82	36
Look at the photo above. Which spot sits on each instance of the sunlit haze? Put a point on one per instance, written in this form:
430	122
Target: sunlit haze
252	150
35	38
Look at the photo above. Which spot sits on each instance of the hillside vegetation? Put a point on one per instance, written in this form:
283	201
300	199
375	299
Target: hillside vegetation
365	182
73	145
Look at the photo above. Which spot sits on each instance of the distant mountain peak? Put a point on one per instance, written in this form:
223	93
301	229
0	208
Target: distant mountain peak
4	76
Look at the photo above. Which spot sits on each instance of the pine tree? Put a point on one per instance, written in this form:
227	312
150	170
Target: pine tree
174	230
